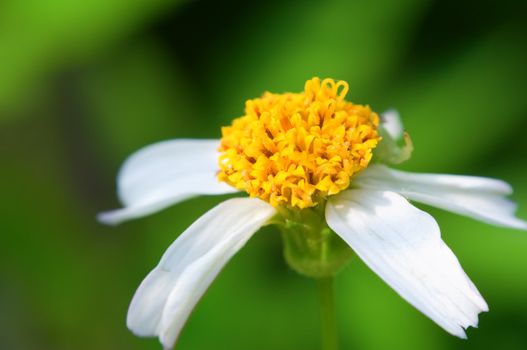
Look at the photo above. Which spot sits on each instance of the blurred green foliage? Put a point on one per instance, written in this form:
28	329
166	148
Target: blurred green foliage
84	84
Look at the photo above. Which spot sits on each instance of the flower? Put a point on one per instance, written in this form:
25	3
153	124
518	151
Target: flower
315	165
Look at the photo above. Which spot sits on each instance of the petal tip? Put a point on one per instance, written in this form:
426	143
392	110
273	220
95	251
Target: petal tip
485	307
392	123
111	218
522	225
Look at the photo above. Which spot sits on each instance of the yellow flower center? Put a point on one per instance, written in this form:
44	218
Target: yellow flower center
296	149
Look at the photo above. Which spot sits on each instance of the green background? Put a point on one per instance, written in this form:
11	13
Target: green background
84	84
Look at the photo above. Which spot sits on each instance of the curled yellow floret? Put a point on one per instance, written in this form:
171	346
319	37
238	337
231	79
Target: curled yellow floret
295	149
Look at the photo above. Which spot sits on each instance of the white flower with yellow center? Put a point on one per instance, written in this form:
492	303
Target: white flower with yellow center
312	164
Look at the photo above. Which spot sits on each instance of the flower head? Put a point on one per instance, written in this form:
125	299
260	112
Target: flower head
306	158
293	149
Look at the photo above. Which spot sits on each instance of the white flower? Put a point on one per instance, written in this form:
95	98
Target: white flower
400	243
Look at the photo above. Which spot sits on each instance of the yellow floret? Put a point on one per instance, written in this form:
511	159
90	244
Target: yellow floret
295	149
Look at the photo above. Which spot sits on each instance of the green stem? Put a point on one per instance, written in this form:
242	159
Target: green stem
326	294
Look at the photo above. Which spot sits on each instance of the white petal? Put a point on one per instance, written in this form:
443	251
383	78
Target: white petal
391	122
402	245
166	173
477	197
396	146
168	294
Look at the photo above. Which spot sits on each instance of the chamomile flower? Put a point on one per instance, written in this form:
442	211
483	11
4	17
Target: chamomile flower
316	166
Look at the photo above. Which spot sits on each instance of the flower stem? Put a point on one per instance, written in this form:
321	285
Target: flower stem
326	295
